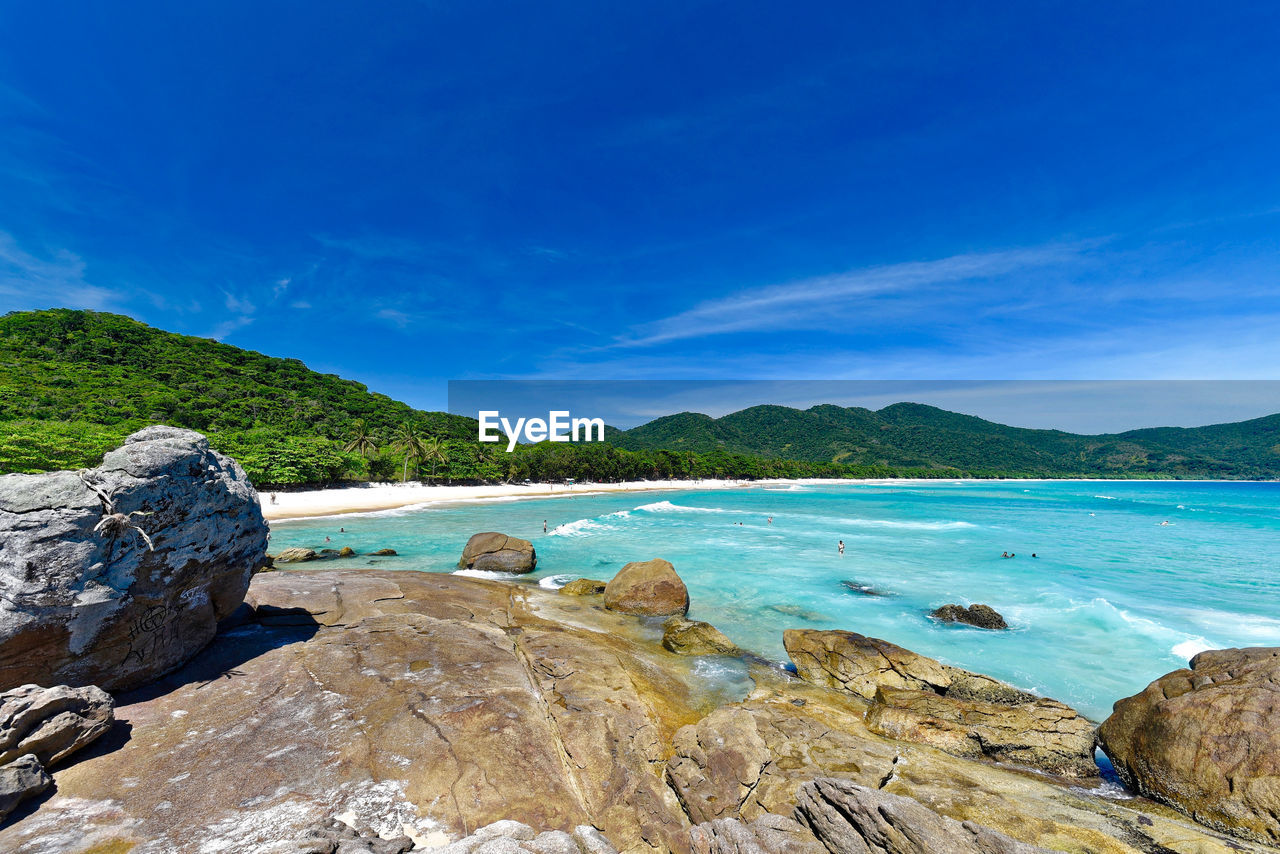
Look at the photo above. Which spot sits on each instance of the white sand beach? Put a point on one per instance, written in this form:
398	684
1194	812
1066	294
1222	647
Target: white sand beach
368	497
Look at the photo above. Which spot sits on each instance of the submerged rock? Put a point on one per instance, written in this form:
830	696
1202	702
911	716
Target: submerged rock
494	552
20	779
115	575
854	819
1206	740
648	588
981	616
583	587
693	637
51	722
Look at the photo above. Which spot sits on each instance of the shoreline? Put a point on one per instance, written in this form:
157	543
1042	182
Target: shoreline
370	498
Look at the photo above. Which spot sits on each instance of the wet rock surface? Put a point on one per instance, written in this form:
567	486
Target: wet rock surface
1206	740
694	637
583	587
494	552
115	575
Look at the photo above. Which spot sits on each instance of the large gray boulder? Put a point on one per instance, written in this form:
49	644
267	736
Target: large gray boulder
52	722
115	575
495	552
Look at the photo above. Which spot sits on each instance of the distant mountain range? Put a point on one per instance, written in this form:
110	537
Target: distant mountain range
913	435
74	383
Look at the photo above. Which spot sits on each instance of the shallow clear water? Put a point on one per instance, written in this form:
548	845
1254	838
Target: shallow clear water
1114	599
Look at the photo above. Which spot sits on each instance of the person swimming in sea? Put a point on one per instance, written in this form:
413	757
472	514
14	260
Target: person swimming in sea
840	547
1005	554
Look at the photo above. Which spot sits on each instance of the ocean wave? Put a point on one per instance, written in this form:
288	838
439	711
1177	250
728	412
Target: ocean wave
1107	497
485	573
620	514
909	526
668	507
1188	649
580	528
555	582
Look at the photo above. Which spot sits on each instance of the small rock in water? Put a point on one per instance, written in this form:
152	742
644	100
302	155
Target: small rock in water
346	551
859	587
383	553
583	587
295	555
802	613
982	616
693	637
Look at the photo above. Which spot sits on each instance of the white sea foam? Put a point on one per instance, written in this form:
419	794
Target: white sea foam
1188	649
668	507
555	582
485	573
580	528
620	514
909	526
1107	497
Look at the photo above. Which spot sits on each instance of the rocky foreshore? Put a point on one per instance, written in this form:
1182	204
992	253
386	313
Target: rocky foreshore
341	711
428	706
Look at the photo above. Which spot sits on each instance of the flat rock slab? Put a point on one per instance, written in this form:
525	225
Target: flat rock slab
406	700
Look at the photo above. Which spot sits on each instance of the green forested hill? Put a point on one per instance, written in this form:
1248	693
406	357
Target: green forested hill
913	435
74	383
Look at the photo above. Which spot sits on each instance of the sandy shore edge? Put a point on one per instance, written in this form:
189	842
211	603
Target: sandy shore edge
282	506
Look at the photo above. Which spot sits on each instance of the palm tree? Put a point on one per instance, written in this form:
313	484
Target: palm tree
409	440
484	455
433	452
361	442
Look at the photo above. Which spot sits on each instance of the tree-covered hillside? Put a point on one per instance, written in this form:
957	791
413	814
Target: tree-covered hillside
917	436
73	384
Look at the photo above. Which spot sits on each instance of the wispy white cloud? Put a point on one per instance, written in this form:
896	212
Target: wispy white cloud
816	302
30	281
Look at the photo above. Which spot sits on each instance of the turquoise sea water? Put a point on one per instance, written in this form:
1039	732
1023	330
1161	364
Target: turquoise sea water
1114	599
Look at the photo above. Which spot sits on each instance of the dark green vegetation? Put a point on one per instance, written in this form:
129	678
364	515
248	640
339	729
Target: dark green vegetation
73	384
914	436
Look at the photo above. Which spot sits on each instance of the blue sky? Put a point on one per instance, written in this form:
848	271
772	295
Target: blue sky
406	193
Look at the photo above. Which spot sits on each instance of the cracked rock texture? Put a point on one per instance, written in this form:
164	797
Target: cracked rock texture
430	706
80	606
1207	740
915	698
52	722
853	819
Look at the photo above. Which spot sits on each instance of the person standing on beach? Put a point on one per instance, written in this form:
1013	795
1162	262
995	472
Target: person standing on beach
840	548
